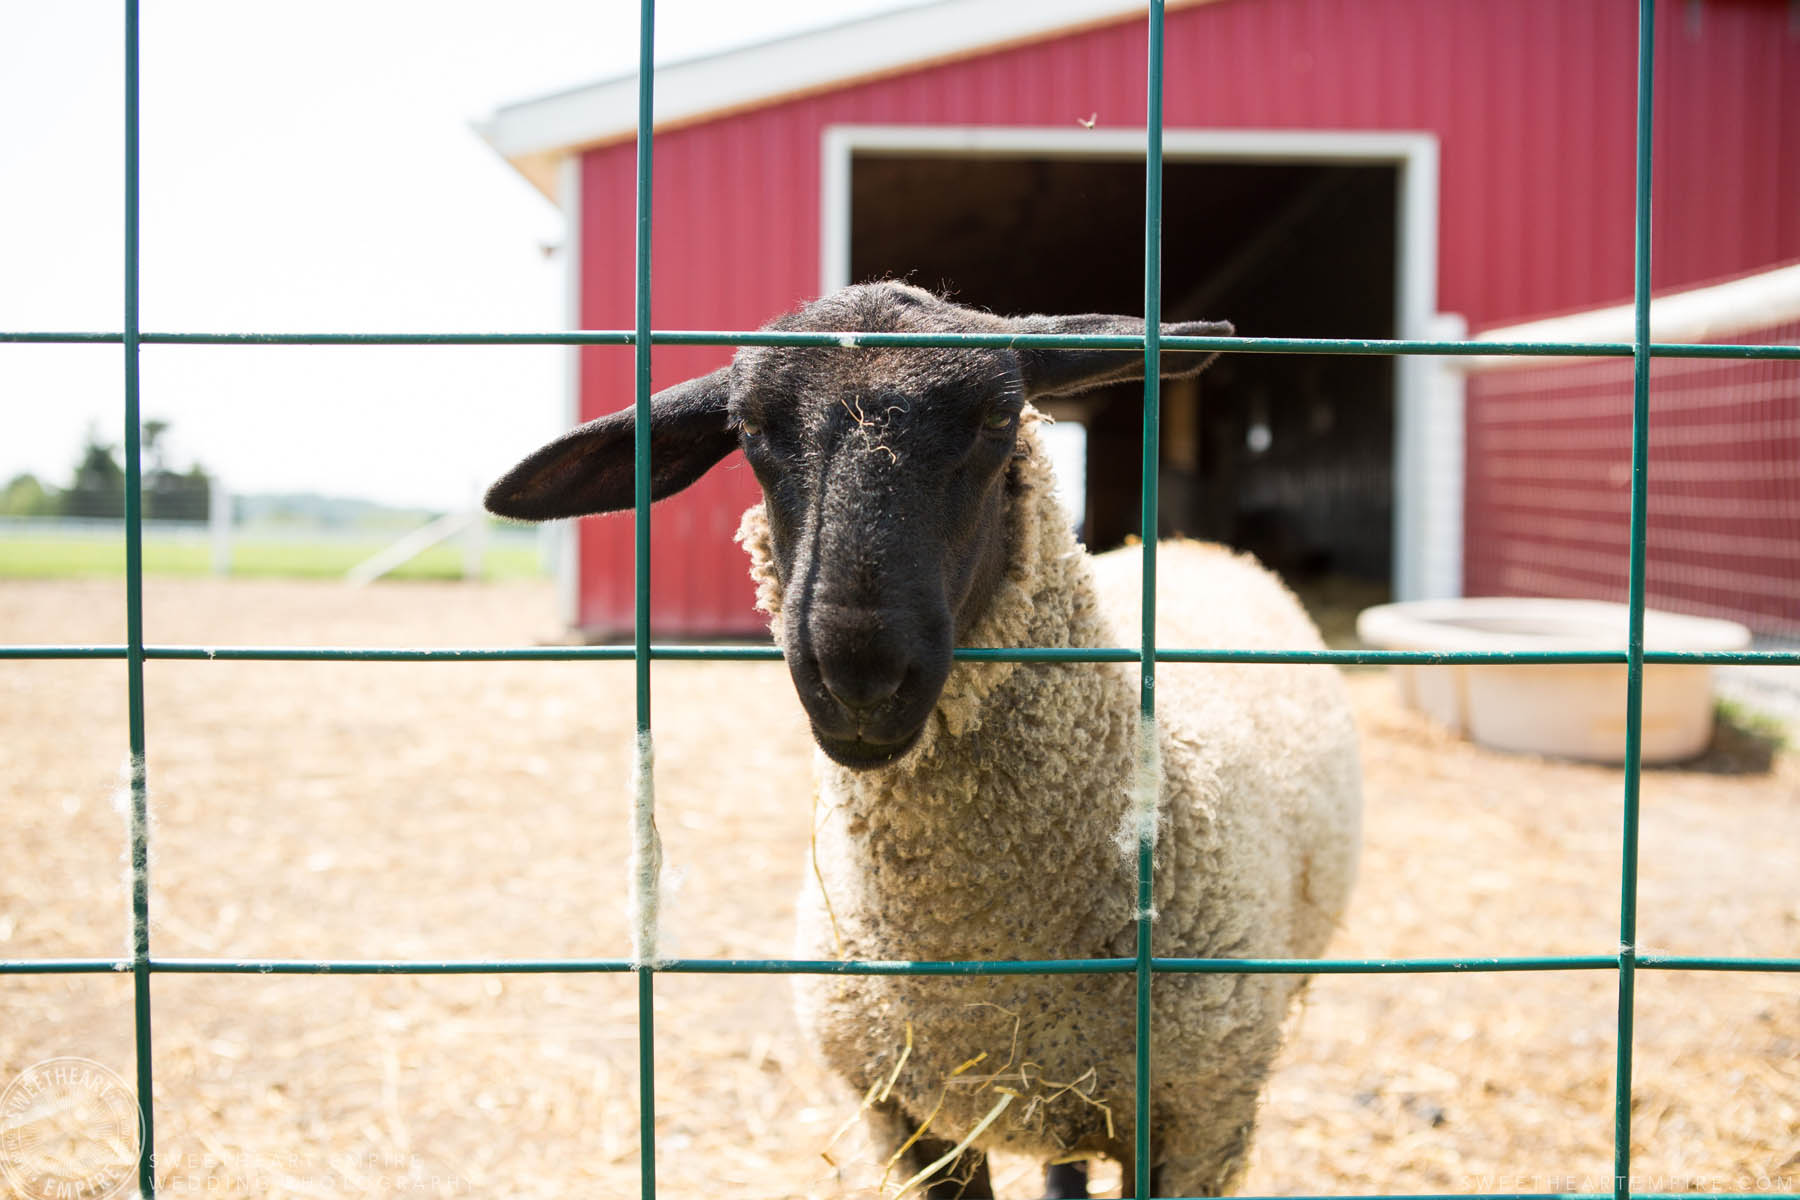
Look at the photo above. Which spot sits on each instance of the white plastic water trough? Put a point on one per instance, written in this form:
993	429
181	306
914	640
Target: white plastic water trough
1568	710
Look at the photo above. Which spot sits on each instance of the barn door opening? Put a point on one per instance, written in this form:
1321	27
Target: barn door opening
1289	456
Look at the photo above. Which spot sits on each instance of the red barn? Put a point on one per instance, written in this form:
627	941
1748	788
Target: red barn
1343	168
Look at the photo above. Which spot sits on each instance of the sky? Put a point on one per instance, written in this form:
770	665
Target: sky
305	168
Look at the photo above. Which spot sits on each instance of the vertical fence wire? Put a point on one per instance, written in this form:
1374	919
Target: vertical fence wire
1146	781
647	858
1634	645
134	634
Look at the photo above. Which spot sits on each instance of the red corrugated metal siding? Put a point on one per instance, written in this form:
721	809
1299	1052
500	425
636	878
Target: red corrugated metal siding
1551	462
1532	101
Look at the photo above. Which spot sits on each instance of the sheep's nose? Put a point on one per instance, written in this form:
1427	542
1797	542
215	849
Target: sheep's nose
865	684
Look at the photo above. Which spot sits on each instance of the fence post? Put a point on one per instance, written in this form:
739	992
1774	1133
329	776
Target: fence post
218	525
474	545
1438	565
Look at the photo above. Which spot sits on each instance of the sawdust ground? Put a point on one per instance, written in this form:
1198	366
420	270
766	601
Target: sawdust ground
474	810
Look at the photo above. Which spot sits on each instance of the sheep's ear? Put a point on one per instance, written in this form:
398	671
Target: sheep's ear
1062	372
589	468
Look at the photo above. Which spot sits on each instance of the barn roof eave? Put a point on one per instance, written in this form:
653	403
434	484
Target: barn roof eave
535	135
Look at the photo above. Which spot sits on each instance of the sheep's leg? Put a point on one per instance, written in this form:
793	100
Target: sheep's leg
963	1178
1066	1181
1212	1169
1120	1152
1205	1179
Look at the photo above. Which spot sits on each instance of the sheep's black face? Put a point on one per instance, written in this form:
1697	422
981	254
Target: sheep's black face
882	473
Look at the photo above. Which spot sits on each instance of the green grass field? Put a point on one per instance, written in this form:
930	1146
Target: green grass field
75	557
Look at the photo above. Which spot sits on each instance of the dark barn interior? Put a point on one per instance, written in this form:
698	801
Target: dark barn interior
1289	456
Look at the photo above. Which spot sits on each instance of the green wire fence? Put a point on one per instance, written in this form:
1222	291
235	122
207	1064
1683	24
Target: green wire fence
1625	959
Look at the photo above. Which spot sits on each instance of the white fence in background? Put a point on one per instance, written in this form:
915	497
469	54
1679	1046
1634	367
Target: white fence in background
221	535
471	525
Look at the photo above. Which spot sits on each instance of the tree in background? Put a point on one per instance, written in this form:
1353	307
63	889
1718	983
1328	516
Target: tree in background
171	495
97	488
25	496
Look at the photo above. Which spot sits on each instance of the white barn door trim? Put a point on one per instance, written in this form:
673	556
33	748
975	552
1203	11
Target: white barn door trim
1428	400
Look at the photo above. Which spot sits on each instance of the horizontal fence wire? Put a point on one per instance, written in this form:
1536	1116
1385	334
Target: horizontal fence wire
1021	654
1625	960
854	340
1571	1175
807	966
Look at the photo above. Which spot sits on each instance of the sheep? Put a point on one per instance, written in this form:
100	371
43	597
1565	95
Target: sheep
992	810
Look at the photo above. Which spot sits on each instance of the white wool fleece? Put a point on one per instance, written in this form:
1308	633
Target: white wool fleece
996	838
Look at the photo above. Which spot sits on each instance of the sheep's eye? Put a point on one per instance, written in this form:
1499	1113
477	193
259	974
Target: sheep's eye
997	420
